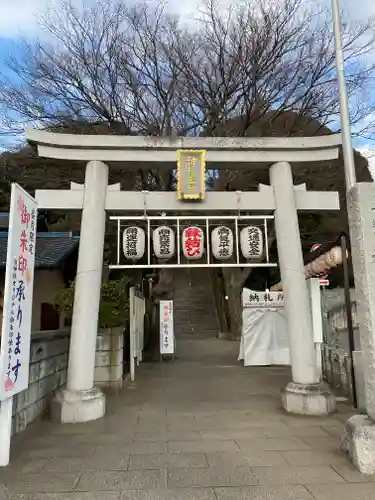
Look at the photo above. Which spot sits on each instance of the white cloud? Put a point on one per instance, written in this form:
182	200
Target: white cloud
19	17
369	153
367	8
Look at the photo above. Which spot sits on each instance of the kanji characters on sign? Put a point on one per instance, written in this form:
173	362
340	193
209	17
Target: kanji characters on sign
191	174
262	300
193	242
252	242
222	243
134	243
18	293
190	164
164	242
166	327
32	232
165	330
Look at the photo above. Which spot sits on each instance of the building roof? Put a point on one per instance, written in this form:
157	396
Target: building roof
51	250
4	220
40	224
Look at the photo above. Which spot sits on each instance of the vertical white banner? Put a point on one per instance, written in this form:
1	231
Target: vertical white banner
132	333
166	327
18	294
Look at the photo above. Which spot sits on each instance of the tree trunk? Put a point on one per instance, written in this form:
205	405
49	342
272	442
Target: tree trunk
221	305
234	279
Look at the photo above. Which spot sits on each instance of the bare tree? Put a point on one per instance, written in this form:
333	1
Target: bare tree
139	70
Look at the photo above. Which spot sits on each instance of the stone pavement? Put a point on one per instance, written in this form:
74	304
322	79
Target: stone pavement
202	428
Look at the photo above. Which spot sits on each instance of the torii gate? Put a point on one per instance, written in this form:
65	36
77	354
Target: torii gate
81	401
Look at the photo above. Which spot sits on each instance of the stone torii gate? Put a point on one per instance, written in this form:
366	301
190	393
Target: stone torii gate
80	401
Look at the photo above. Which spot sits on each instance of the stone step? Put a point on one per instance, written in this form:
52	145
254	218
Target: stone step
194	305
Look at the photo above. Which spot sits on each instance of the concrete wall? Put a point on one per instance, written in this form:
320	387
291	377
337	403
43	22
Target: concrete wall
46	285
48	369
109	359
333	303
336	352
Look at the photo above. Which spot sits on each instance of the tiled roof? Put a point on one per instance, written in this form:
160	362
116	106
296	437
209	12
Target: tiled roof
51	251
4	220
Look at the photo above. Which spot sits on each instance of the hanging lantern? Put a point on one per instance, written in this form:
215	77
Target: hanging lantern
334	257
133	243
251	240
193	242
164	244
222	243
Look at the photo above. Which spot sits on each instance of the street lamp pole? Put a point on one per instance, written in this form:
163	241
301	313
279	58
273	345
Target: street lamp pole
349	166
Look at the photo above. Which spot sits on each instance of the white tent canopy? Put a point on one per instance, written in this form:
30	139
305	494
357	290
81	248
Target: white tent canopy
264	338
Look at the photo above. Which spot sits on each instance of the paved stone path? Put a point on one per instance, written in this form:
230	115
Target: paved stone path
202	428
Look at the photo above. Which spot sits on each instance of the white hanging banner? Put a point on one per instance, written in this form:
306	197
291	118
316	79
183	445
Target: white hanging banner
134	243
222	243
18	294
264	338
251	242
166	327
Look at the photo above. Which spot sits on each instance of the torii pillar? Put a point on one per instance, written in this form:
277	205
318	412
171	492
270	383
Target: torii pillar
306	394
80	401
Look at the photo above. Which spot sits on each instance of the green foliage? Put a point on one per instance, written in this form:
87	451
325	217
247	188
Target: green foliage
113	307
114	304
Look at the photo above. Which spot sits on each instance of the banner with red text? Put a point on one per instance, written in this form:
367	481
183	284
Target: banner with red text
18	294
166	327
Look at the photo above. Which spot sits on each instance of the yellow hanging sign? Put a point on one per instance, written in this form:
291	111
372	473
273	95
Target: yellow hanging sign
191	174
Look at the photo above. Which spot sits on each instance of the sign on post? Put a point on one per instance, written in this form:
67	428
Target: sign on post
262	300
324	281
191	177
17	309
166	327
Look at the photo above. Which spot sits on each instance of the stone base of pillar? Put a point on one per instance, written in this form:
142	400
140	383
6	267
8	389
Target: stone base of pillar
72	407
309	399
358	442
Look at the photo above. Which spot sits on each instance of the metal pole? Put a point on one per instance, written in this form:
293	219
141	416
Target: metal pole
349	166
349	316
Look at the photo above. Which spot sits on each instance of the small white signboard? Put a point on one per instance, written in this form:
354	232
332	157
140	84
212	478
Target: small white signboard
261	300
18	294
166	327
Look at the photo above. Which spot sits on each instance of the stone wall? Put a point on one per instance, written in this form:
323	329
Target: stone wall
48	368
49	353
109	359
336	352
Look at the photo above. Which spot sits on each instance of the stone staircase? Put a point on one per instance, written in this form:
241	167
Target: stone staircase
194	304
